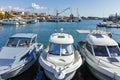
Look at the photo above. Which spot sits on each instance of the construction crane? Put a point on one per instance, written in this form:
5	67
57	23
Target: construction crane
57	13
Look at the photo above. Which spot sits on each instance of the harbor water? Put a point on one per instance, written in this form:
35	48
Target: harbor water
44	30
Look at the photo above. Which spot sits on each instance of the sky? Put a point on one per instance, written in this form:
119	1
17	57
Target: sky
98	8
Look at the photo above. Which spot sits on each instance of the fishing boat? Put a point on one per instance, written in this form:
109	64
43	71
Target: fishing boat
60	60
19	54
102	54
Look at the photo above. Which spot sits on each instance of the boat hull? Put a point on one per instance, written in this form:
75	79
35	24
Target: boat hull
51	76
95	69
66	74
10	23
98	74
19	70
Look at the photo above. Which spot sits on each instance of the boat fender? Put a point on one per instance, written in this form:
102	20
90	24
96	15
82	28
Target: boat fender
60	75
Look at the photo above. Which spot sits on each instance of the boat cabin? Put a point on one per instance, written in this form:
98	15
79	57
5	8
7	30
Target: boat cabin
21	40
102	45
61	44
61	50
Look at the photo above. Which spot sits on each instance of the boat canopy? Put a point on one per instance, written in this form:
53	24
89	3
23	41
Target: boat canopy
100	39
21	40
61	38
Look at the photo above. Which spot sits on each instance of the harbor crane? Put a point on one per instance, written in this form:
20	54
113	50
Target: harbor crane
57	13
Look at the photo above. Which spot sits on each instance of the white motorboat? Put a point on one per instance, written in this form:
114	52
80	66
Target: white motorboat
102	54
60	60
9	22
19	53
20	20
105	24
114	25
109	24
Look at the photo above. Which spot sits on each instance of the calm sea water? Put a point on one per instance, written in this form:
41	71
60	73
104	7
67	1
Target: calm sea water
44	30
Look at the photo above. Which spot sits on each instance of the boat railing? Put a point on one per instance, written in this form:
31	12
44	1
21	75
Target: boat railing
92	31
65	66
40	46
99	61
98	31
52	63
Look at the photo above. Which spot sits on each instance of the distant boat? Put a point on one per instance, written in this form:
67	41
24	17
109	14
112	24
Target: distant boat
77	19
9	22
102	55
114	25
20	20
32	21
60	60
74	19
19	53
109	24
104	24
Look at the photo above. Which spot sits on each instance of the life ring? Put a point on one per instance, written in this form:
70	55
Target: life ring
110	35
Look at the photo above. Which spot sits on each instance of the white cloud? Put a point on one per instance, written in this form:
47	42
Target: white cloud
18	8
38	7
9	8
33	6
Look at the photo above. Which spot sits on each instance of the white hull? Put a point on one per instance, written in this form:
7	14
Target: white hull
98	74
17	71
51	76
60	60
102	54
10	23
68	72
15	59
98	71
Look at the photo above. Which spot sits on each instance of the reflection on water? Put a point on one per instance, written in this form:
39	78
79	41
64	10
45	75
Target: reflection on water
82	73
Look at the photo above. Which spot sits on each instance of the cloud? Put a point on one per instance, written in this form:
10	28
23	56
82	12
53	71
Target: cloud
14	8
9	8
18	9
38	7
33	6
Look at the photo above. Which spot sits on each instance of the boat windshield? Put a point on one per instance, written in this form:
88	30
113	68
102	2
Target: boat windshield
54	49
114	50
18	42
64	49
100	50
